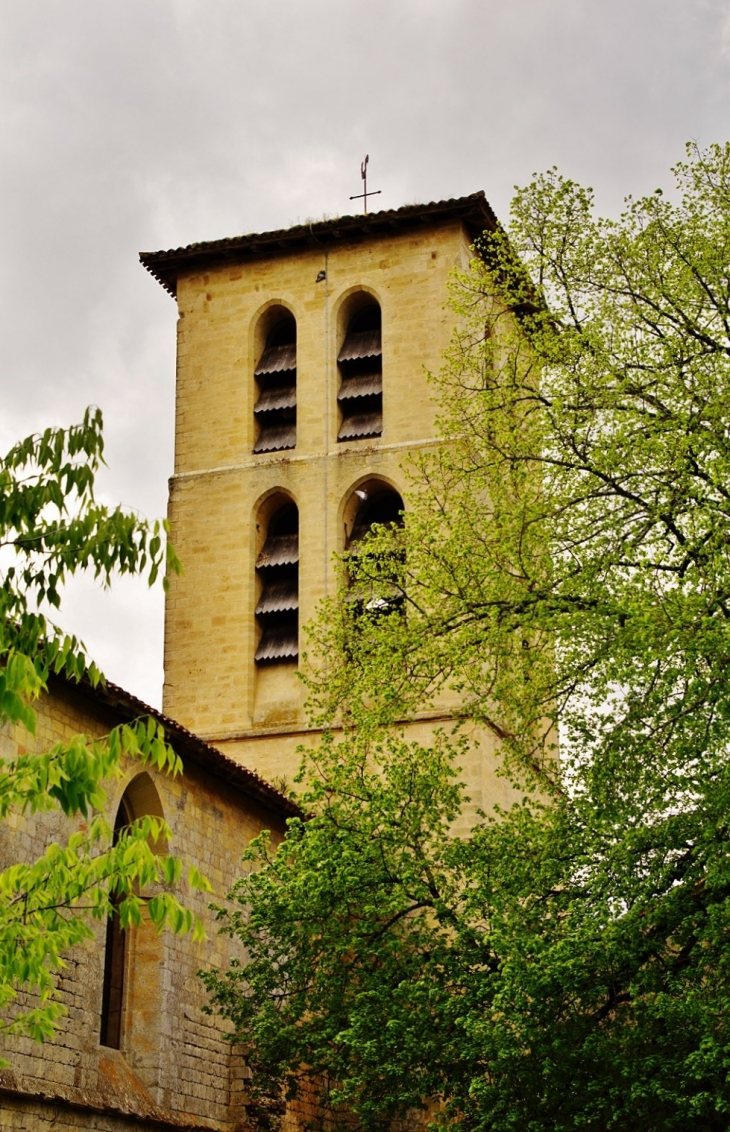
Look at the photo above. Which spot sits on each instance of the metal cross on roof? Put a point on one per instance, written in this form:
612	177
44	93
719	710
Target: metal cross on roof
365	194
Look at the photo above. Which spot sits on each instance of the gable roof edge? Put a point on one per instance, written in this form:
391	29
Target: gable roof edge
473	211
188	745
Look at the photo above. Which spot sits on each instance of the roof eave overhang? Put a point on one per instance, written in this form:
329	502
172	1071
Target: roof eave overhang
190	747
474	212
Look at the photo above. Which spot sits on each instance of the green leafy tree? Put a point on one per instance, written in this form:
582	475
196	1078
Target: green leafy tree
52	527
564	568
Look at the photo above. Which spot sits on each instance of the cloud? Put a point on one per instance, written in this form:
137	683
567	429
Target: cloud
142	126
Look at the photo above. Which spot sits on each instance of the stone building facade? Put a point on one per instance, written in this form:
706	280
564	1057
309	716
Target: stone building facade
173	1067
302	392
316	425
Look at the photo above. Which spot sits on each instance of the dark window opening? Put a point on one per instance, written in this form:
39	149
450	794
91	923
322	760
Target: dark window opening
112	1001
276	378
277	610
360	396
381	506
377	575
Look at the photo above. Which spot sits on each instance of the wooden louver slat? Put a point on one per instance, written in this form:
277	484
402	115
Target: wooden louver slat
361	425
273	438
278	642
276	397
279	550
361	344
277	359
279	596
360	385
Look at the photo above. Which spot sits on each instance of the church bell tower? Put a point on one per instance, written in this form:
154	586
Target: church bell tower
301	391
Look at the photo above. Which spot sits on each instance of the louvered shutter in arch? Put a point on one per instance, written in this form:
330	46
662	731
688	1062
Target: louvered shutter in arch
360	361
276	379
277	610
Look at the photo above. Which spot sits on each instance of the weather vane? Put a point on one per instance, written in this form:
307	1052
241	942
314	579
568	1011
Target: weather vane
365	194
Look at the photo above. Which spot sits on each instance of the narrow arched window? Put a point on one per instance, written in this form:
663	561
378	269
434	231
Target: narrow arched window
276	379
112	1001
129	1012
360	360
277	609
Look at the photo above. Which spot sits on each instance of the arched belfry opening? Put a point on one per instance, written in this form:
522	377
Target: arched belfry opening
375	576
277	608
275	410
373	502
360	361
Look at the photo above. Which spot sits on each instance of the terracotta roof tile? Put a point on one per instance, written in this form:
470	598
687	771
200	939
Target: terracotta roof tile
166	266
188	745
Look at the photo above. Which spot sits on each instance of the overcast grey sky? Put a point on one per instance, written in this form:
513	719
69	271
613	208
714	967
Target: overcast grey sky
133	125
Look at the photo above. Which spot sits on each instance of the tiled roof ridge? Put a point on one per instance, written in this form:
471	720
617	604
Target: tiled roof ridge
202	752
473	208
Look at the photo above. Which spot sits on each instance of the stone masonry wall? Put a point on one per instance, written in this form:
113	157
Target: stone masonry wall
255	713
174	1066
212	683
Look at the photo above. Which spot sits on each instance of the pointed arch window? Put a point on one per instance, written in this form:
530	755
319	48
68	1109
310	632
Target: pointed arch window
112	1001
277	610
126	1013
276	379
360	362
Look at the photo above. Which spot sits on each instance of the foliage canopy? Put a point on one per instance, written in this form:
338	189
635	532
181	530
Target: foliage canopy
51	527
564	566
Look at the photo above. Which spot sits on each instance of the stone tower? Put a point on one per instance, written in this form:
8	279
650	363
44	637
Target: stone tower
301	390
